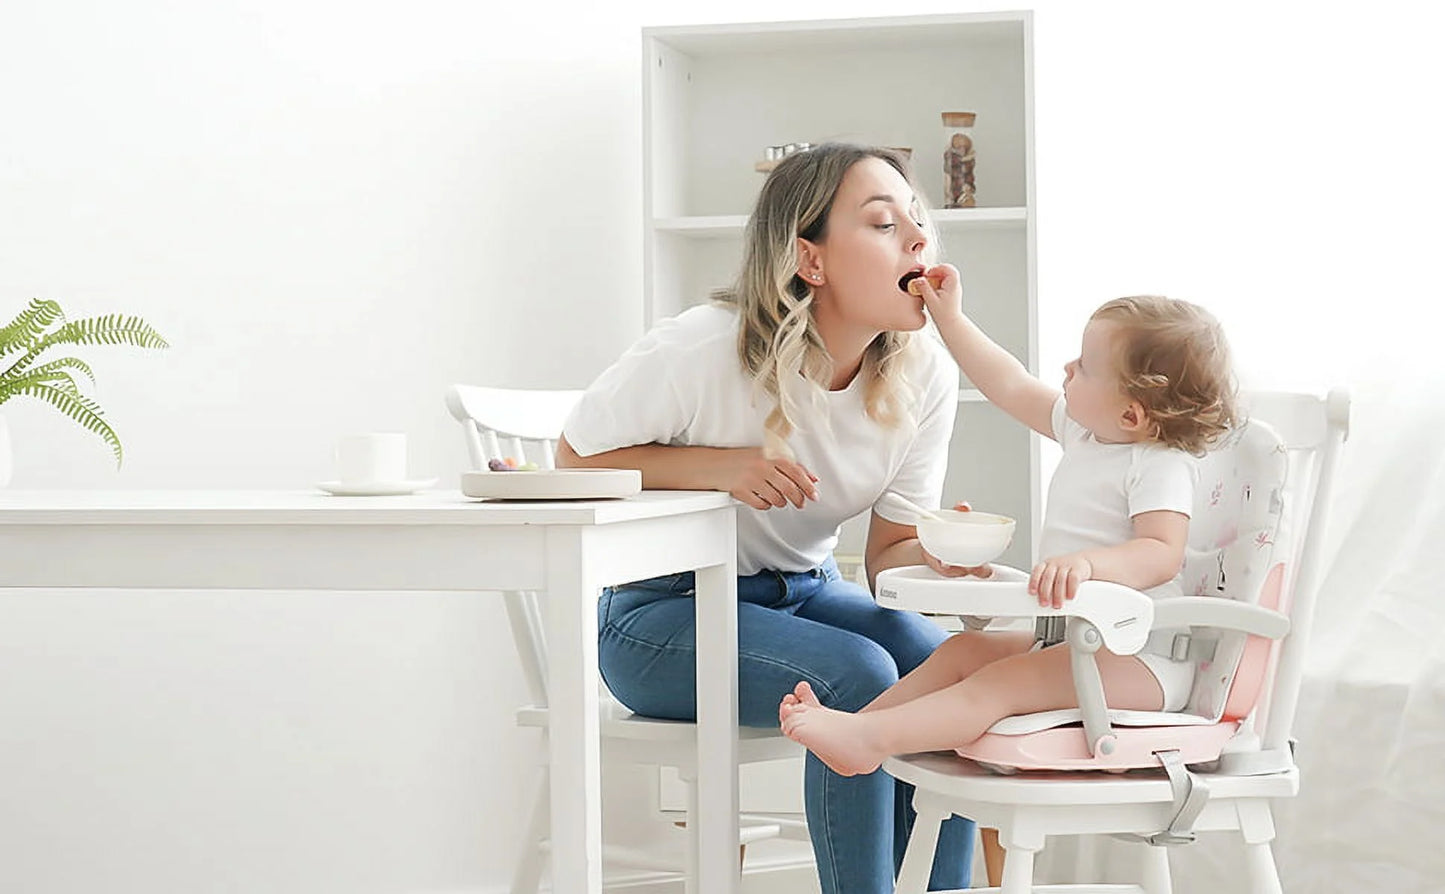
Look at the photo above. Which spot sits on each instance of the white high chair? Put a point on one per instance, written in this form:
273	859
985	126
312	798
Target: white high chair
525	425
1254	541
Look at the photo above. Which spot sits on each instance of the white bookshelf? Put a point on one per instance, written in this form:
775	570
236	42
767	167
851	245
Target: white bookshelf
715	96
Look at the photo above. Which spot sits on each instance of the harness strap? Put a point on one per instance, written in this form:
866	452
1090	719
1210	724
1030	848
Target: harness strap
1190	795
1048	630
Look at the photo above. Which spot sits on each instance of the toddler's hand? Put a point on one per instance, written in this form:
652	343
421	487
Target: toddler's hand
1054	580
941	289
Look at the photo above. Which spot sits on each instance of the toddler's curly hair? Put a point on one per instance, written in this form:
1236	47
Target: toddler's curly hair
1174	360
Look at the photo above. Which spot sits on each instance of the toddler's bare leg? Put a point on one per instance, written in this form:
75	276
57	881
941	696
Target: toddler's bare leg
960	713
956	658
1019	684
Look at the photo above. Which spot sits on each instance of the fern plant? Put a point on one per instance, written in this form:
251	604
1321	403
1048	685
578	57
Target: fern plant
42	326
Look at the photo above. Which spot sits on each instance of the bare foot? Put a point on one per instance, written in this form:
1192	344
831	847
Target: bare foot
802	691
836	737
785	707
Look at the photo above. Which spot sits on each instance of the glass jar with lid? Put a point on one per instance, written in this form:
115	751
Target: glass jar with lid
959	189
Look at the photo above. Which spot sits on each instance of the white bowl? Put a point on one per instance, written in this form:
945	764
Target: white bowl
966	538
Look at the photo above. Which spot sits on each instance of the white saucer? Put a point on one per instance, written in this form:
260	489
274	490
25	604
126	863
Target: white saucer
376	488
553	484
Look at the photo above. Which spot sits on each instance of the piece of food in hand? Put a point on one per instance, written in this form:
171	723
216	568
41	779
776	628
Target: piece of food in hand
905	282
910	282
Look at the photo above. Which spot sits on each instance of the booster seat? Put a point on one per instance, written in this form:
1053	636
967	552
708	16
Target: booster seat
1253	542
1233	576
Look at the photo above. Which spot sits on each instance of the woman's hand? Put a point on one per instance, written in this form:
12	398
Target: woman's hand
1054	580
941	289
943	568
767	482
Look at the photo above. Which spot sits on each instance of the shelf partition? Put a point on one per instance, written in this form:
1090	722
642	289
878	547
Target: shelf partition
716	226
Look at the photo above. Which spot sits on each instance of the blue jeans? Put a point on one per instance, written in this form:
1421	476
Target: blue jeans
812	626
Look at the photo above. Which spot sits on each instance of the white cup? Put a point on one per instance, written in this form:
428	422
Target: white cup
374	458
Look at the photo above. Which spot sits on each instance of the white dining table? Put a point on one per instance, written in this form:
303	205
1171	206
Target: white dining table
437	540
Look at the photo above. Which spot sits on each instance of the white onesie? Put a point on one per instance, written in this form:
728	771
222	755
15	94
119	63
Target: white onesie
1095	493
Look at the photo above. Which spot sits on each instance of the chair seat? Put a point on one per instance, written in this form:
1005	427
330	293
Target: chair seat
942	772
1065	748
1023	724
637	739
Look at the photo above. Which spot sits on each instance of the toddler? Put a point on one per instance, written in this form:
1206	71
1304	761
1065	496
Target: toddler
1151	389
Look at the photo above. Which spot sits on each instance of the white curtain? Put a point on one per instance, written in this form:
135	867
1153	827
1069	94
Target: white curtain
1371	724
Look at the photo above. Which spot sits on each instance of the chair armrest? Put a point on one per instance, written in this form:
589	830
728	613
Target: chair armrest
1213	611
1122	615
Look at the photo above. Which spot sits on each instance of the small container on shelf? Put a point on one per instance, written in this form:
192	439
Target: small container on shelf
958	156
774	154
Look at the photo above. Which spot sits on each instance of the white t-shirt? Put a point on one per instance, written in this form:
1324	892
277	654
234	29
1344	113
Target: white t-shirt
1098	488
682	384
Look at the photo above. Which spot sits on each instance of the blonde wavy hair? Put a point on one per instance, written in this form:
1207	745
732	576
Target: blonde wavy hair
1174	360
778	341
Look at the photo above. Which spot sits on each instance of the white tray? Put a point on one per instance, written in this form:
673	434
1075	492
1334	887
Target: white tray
552	484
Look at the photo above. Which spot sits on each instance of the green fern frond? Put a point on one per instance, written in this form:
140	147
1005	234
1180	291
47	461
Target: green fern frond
78	407
29	325
61	369
56	372
65	383
108	330
42	325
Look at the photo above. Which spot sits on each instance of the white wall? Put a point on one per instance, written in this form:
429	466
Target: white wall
333	210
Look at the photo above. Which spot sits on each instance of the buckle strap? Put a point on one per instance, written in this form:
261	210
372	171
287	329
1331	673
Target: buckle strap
1190	795
1174	645
1049	630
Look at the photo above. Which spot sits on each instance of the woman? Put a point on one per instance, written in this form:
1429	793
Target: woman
803	394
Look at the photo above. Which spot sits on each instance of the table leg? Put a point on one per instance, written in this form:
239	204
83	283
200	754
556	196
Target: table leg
717	712
575	759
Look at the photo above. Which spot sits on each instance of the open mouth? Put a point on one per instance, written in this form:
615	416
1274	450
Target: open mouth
907	278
